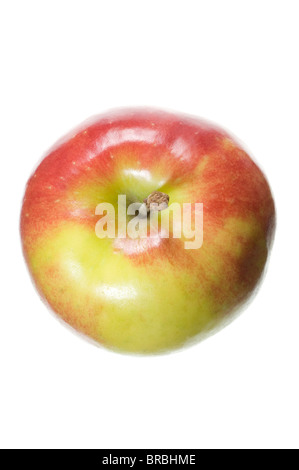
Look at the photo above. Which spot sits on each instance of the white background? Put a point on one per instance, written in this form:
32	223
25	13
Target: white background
233	62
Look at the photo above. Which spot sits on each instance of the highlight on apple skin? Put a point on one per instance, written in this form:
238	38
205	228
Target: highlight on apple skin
146	295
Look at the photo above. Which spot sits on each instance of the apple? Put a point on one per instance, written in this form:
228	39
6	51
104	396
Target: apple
146	294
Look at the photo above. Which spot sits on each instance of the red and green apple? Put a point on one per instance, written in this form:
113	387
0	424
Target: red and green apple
146	294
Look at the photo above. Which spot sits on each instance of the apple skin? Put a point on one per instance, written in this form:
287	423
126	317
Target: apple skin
140	296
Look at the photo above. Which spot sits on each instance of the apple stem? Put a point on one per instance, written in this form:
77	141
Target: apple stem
156	201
